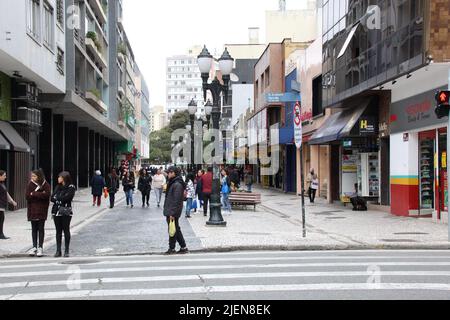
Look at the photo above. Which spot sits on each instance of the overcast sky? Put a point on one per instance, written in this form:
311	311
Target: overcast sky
161	28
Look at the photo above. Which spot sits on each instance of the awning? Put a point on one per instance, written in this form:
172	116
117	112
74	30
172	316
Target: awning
4	145
14	139
339	125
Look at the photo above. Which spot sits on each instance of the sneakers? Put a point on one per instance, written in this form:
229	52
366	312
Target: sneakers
32	252
40	252
183	251
170	252
3	237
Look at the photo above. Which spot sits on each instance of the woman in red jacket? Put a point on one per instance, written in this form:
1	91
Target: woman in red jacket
38	197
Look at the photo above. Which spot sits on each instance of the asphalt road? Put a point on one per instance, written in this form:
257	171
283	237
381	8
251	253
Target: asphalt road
341	275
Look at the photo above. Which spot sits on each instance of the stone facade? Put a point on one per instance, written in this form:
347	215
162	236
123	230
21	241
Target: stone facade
439	35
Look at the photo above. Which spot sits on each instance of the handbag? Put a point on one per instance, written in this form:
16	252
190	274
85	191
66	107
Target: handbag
194	204
172	228
64	212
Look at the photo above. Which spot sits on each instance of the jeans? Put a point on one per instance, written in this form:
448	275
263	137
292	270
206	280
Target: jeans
129	196
158	193
62	224
249	188
145	197
188	206
178	235
112	200
312	194
38	229
97	199
226	202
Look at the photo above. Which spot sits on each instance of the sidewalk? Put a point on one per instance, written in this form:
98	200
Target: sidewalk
18	228
277	224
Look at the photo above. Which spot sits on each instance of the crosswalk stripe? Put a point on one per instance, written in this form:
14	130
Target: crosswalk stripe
151	261
218	267
227	289
223	276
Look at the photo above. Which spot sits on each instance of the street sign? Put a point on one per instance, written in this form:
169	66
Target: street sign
282	97
298	129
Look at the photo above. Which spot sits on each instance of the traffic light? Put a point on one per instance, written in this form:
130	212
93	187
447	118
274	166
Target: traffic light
443	104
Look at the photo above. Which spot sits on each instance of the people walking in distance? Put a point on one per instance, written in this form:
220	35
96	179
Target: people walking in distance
206	181
314	186
225	191
157	184
38	197
5	198
234	178
145	186
190	194
128	184
309	179
62	211
248	180
164	172
173	206
198	188
97	185
112	184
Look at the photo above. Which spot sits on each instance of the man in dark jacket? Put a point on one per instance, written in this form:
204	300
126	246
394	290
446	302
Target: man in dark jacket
173	206
97	185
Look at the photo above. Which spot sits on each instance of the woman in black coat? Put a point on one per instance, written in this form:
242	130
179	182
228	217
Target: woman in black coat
145	186
112	184
97	185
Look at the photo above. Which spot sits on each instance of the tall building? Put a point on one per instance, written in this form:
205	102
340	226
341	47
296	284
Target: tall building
183	82
32	63
158	118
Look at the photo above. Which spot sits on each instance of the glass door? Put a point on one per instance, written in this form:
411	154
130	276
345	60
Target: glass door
426	173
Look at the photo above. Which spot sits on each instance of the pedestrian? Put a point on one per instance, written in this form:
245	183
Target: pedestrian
128	184
248	180
157	184
97	186
206	182
164	172
173	206
234	177
198	188
5	198
112	184
314	186
38	195
309	179
62	211
145	186
225	191
190	194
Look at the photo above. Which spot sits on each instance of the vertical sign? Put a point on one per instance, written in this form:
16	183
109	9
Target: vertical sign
298	135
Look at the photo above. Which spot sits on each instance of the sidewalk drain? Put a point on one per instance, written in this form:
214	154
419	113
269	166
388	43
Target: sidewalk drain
398	240
77	262
411	233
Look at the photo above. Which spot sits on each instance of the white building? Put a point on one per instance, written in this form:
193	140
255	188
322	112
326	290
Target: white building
158	118
32	42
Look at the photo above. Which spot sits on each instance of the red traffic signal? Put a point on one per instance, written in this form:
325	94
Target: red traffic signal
443	97
443	104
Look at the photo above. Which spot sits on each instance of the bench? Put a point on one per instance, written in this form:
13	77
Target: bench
245	199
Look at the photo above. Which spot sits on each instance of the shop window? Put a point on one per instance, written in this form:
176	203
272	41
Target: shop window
317	96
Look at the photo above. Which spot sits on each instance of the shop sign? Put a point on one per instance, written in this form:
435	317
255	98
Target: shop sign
444	160
349	163
367	126
347	143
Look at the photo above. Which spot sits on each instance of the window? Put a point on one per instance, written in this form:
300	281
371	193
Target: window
34	18
267	77
48	25
317	96
60	61
256	88
60	12
169	69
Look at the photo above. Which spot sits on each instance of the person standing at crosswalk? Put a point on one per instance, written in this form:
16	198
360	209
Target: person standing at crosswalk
38	198
5	198
173	207
62	211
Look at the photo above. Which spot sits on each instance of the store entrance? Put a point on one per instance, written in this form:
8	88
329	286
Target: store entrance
442	185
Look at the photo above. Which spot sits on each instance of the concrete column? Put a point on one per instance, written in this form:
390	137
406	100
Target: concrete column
45	144
58	146
71	150
102	167
91	154
97	152
83	157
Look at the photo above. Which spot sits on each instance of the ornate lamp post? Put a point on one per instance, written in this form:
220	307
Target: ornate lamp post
192	108
208	111
205	61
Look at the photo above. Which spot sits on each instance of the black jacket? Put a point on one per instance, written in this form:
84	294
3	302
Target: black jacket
145	184
97	185
62	197
112	184
3	196
128	184
173	206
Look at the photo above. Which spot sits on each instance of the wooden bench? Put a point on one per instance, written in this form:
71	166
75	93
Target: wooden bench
245	199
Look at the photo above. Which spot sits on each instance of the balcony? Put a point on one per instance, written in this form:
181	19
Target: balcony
120	24
96	102
121	57
91	47
97	7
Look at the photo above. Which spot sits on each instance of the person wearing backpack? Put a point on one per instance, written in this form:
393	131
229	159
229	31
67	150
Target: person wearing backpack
226	190
173	206
190	194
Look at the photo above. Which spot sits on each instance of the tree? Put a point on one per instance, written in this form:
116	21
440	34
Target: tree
160	141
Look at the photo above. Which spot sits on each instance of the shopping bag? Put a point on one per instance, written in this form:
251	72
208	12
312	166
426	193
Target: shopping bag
194	204
172	228
105	193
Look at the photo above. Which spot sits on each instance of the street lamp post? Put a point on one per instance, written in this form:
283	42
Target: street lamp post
205	61
208	111
192	108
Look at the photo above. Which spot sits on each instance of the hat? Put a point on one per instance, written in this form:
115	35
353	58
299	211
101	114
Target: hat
98	172
174	170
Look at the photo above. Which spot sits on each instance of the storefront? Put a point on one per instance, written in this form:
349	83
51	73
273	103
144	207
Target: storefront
419	158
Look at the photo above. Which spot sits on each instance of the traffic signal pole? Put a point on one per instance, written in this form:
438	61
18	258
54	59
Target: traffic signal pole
448	166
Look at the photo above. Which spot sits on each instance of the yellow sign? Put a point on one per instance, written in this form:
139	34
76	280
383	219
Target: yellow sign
444	159
364	124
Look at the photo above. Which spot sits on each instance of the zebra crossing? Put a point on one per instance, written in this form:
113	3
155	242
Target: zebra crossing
284	275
